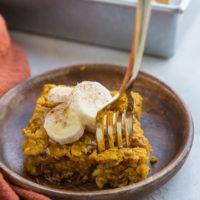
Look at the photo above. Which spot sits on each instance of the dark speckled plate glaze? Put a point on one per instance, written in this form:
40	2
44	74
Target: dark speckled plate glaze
165	120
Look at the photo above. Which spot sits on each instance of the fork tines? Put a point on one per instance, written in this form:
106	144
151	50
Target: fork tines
114	130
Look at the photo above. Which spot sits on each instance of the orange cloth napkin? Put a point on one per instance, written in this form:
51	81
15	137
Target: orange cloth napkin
14	68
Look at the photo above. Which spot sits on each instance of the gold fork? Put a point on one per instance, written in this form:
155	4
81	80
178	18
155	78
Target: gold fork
114	125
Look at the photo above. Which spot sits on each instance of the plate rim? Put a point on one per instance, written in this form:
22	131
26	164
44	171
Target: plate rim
165	173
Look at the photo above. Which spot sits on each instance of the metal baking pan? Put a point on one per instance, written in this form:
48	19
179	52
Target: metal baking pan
101	22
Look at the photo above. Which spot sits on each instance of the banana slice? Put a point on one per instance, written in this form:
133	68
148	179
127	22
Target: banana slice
59	94
66	122
63	125
88	97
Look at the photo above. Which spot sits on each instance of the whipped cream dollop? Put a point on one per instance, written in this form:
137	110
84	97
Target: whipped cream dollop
67	122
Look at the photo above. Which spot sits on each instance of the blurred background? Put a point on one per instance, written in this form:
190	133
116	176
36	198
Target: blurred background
106	23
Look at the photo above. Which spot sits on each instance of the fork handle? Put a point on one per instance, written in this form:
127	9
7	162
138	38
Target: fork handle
146	13
135	37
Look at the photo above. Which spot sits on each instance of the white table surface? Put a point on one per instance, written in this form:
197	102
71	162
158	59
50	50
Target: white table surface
182	73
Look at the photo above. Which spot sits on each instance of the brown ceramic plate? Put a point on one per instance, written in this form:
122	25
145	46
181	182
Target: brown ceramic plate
165	120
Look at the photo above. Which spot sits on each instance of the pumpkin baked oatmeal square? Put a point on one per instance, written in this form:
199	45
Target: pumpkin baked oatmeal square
80	162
